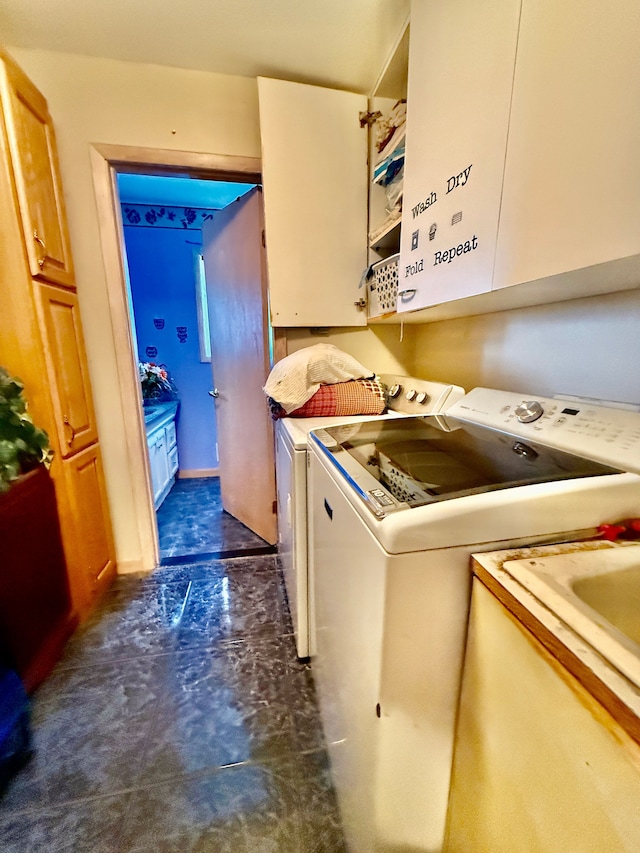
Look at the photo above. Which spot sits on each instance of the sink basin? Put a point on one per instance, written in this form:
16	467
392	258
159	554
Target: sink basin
597	594
616	596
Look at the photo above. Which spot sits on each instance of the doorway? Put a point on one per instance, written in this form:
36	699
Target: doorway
108	162
162	219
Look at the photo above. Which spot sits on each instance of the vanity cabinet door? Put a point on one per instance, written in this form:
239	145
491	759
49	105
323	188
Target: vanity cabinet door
67	368
572	175
34	158
461	60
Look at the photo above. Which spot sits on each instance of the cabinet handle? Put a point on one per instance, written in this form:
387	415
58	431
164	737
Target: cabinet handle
40	242
407	294
73	432
214	392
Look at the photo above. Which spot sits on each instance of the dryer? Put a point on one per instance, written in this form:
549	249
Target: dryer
406	396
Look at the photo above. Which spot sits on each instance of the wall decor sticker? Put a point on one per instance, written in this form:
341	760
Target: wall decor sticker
153	216
415	239
432	231
182	333
151	352
158	322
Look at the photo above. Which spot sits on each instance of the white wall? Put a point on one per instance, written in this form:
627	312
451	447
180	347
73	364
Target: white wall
379	348
588	347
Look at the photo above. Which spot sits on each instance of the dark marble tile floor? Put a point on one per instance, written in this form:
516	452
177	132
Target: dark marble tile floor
179	720
191	522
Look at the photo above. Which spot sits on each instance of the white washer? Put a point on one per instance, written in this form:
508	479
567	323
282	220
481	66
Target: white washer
411	396
395	510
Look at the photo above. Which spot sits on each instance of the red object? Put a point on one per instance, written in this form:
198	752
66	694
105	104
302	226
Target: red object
611	532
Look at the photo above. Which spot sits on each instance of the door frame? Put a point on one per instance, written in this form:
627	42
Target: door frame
106	162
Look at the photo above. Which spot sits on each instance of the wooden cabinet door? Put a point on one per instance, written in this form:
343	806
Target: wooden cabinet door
314	167
461	61
35	166
67	370
572	174
92	552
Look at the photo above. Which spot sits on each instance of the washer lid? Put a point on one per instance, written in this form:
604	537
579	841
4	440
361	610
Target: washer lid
401	464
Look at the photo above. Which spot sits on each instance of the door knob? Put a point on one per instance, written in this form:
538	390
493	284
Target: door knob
214	392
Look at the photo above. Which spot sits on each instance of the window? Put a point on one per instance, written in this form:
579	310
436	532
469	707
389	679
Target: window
204	333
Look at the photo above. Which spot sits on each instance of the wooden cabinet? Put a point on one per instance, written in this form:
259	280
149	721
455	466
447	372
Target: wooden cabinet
572	176
41	338
160	423
314	166
539	765
32	148
461	61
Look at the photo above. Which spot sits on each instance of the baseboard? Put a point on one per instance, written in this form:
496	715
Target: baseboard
131	567
192	473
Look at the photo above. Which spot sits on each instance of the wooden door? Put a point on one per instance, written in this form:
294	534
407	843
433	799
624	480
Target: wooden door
35	166
237	294
67	368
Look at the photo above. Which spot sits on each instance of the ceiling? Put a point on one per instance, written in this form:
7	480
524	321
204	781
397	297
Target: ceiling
337	43
178	192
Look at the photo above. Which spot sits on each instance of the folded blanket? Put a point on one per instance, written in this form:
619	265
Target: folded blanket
355	397
297	377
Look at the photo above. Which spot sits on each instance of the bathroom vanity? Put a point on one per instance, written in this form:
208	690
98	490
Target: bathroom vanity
160	426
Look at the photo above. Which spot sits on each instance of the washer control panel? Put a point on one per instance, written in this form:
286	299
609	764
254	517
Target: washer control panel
410	395
603	433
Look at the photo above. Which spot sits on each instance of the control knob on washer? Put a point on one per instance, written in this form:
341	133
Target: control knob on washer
529	411
394	391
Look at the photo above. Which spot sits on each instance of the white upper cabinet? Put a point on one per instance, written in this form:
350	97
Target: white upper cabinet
461	63
572	175
314	168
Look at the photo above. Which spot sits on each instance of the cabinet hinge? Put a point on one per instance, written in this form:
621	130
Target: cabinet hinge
369	118
274	507
264	240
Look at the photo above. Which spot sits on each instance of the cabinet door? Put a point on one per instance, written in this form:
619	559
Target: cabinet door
158	461
461	61
572	174
35	166
87	535
67	368
314	167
